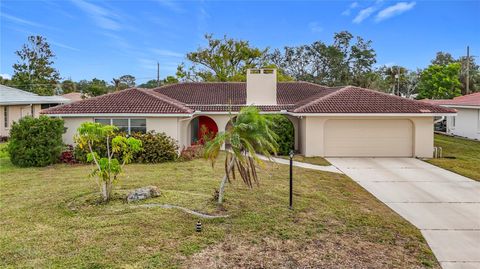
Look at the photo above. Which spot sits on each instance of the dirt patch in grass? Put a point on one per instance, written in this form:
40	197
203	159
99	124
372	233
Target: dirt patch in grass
323	251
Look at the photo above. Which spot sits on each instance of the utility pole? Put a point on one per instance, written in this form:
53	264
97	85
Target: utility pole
468	71
398	80
158	74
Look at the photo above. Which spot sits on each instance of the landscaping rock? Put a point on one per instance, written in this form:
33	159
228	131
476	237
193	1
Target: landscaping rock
143	193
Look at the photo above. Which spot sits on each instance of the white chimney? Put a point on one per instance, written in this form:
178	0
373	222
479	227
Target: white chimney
262	86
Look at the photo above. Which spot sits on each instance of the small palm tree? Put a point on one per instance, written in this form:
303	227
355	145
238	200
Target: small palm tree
249	135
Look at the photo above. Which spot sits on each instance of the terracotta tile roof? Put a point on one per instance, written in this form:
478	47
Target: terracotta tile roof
235	93
127	101
298	97
465	100
358	100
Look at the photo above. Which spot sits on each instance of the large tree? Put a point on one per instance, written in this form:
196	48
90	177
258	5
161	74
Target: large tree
68	86
34	71
95	87
123	82
224	59
342	63
440	82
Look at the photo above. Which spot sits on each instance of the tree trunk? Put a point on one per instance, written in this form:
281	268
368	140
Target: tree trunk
105	194
224	181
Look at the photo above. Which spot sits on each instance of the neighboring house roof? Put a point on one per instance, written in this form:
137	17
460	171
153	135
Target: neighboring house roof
74	96
13	96
130	101
465	100
295	97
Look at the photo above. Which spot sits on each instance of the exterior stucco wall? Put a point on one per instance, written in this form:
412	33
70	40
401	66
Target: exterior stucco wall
466	123
169	126
313	134
72	125
15	113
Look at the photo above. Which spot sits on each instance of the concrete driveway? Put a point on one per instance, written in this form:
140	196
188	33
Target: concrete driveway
443	205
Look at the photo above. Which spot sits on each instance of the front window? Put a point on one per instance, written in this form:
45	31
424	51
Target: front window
128	126
5	116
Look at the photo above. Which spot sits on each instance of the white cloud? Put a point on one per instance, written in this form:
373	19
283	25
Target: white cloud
167	53
172	5
6	76
18	20
102	17
351	7
315	27
61	45
394	10
363	14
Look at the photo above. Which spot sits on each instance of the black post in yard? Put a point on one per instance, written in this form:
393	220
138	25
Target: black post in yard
291	179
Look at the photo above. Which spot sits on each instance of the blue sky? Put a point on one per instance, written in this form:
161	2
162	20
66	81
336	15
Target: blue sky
106	39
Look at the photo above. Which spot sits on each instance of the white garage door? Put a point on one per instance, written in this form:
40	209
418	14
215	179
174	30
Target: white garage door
368	138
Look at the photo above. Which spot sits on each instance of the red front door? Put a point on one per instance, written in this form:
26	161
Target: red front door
206	127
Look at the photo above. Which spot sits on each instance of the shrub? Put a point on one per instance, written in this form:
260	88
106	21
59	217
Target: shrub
192	152
36	141
157	148
67	155
282	126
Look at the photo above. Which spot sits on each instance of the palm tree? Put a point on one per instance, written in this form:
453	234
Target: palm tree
249	135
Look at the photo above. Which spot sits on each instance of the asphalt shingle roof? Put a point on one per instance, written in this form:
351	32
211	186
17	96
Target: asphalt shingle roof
297	97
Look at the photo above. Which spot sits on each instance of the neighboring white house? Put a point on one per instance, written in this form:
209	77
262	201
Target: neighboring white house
467	121
328	121
15	104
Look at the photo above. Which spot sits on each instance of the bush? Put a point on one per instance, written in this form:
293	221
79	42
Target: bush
282	126
192	152
36	141
67	155
157	148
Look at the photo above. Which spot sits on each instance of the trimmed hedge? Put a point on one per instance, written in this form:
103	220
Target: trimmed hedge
36	141
157	148
285	131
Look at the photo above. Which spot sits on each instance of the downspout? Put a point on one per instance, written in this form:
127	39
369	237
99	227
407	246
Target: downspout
442	118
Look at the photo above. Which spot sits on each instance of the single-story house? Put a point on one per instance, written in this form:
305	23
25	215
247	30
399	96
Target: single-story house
328	121
16	104
75	96
467	121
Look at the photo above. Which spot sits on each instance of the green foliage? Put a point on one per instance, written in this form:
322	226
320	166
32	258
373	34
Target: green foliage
95	87
153	82
108	166
223	59
68	86
157	148
249	135
338	64
285	132
34	71
440	82
123	82
36	141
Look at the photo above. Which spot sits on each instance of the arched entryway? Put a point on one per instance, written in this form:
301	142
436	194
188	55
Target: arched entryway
202	128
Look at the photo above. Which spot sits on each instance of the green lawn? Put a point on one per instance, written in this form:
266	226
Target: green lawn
312	160
461	156
49	219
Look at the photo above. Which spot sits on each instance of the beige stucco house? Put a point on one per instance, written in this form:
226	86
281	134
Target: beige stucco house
328	121
15	104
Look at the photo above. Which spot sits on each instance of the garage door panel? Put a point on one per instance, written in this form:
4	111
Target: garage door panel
368	138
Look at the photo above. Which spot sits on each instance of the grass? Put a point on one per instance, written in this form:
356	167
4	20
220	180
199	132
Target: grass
312	160
50	220
461	156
